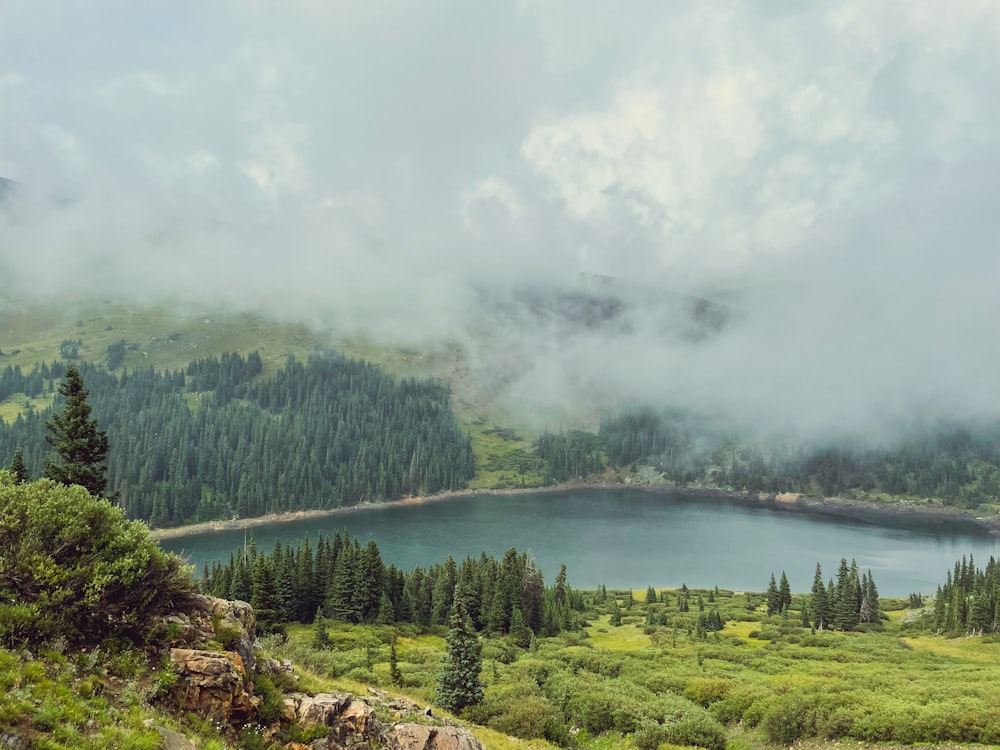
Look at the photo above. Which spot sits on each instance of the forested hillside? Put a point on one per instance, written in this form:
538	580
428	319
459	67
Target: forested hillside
958	463
216	440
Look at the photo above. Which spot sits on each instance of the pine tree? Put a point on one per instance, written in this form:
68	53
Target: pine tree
784	593
17	467
394	672
823	615
459	684
773	597
81	448
321	639
264	598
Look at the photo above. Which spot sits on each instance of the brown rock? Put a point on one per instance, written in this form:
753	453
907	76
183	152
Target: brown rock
213	685
322	709
206	619
421	737
357	726
290	711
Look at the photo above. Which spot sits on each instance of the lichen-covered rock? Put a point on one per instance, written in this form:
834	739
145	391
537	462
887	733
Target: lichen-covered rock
214	685
422	737
230	622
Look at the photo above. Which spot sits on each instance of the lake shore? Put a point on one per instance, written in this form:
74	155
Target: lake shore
793	502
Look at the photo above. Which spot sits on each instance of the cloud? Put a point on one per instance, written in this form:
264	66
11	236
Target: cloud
375	168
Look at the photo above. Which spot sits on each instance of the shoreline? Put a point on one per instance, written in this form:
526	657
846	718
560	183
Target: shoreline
793	502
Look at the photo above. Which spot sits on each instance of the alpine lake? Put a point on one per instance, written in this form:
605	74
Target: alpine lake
633	539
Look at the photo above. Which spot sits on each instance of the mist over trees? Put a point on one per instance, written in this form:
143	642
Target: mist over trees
956	462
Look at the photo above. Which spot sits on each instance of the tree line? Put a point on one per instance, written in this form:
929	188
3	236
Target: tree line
341	578
217	441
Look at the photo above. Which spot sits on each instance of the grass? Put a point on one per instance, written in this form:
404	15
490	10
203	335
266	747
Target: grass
504	456
18	403
626	637
67	701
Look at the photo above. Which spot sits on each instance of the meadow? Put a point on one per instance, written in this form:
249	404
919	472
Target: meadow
760	681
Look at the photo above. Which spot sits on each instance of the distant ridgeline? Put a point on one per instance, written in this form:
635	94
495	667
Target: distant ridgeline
956	463
215	440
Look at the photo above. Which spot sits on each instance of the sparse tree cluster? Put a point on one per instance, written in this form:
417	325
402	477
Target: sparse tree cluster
968	603
845	603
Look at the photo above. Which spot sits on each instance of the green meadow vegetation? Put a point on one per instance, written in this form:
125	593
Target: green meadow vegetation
761	681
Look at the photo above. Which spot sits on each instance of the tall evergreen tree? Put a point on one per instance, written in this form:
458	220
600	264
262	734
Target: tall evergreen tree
822	612
17	467
784	593
773	597
81	448
459	684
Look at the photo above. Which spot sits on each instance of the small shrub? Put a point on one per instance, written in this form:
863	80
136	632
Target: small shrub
362	674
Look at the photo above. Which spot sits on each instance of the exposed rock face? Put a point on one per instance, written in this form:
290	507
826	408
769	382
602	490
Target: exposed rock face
214	685
422	737
352	722
232	622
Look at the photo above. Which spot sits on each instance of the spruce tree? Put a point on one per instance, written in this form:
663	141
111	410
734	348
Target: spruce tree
81	448
773	597
320	639
394	672
822	610
17	467
459	684
784	593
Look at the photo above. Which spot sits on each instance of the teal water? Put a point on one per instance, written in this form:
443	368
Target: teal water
629	538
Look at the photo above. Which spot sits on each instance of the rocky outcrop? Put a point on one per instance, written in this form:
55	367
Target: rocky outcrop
218	685
214	685
352	722
423	737
230	623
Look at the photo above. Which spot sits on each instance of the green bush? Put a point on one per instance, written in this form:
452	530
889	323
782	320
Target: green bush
696	729
78	568
788	718
705	691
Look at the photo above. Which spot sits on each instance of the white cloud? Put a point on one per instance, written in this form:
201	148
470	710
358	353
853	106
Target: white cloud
373	163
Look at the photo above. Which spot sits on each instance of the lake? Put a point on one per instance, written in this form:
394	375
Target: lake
629	538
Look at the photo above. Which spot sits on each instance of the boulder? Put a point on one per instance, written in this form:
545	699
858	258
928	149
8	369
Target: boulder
422	737
322	709
172	740
214	685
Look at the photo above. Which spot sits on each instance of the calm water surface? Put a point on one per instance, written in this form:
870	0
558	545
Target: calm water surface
625	538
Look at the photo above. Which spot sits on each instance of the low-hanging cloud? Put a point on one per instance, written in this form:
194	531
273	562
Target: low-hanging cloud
427	173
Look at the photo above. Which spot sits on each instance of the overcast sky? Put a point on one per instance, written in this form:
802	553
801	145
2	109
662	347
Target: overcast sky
356	163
